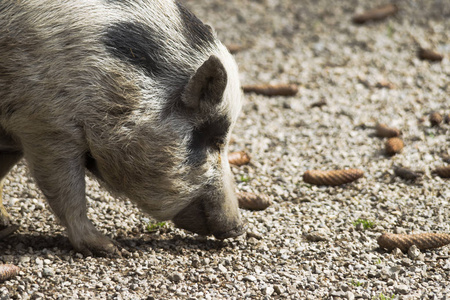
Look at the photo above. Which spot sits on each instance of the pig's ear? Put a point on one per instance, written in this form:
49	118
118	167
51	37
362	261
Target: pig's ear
206	87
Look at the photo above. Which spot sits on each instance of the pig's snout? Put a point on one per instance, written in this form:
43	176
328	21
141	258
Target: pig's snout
199	217
240	229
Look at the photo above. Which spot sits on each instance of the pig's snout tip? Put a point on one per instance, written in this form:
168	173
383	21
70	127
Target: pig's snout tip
235	232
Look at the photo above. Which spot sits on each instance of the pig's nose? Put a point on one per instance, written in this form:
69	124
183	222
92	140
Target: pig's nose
237	231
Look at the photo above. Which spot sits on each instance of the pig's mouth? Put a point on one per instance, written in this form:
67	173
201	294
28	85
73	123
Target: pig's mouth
194	218
237	231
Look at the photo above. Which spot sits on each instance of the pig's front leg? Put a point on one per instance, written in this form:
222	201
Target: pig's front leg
59	172
7	161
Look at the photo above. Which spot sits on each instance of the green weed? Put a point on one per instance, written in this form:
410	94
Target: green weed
155	226
366	223
383	297
244	178
355	283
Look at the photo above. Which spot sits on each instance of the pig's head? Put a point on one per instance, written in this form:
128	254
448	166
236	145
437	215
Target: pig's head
170	157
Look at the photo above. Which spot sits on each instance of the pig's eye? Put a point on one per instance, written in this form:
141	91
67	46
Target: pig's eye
210	135
217	143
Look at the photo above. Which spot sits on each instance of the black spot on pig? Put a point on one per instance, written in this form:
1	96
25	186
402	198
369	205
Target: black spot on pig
136	43
197	34
208	136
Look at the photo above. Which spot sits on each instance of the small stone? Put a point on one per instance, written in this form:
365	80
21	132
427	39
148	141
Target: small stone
139	271
20	288
222	268
350	295
359	227
397	253
195	262
316	236
406	262
338	294
176	277
39	261
269	290
250	278
48	272
400	230
402	289
414	253
251	234
172	288
279	289
24	259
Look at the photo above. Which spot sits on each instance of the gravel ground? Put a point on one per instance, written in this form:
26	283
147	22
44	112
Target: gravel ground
315	45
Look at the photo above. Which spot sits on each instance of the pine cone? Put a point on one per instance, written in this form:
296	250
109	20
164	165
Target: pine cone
320	103
384	84
252	201
406	173
8	271
382	130
238	158
332	178
394	145
428	54
443	172
376	14
272	90
423	241
235	48
435	119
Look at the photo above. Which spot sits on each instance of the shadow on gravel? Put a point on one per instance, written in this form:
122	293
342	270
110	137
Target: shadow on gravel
171	244
20	242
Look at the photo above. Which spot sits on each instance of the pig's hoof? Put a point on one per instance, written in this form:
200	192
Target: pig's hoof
94	244
101	250
6	231
4	219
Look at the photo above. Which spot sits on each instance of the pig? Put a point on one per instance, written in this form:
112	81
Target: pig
140	93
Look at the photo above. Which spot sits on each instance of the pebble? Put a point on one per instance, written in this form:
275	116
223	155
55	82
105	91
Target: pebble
268	291
24	259
47	272
176	277
402	289
317	236
279	289
222	268
397	253
414	253
350	295
39	261
250	278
